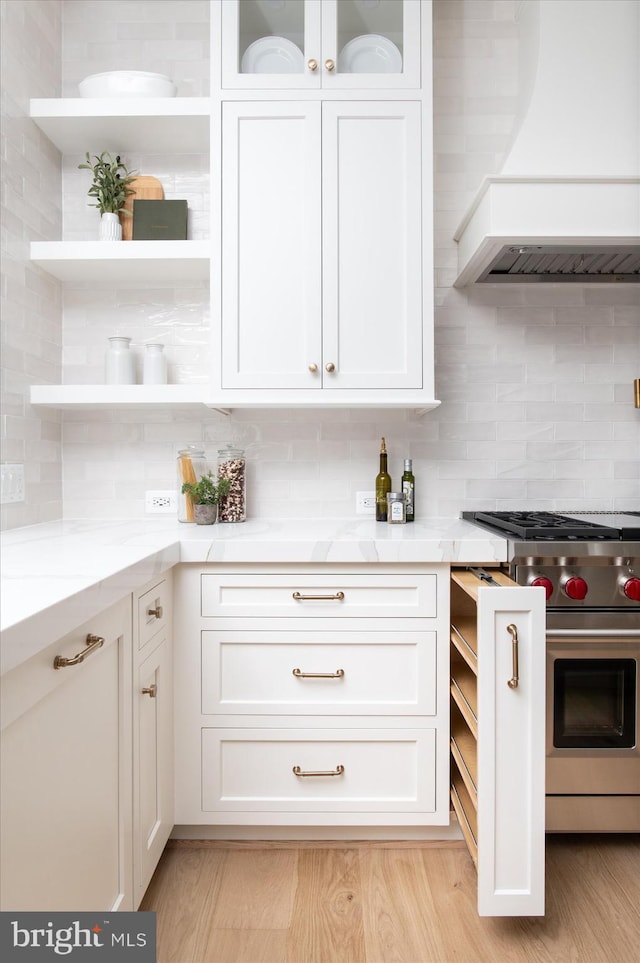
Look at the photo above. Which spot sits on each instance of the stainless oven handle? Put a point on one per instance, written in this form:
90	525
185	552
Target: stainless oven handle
593	634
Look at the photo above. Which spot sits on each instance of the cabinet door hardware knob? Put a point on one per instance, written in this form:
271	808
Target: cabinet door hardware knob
338	597
515	679
151	690
313	367
312	65
338	674
93	643
330	65
157	612
330	772
330	367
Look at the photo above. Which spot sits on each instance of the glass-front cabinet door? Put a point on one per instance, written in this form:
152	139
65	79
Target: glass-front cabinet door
331	44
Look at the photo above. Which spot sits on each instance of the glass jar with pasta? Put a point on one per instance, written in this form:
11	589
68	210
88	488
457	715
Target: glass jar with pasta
191	466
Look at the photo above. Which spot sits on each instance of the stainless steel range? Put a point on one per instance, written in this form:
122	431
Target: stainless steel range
589	565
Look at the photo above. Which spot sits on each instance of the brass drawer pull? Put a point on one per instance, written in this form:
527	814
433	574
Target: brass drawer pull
93	642
338	674
515	679
151	690
331	772
338	597
157	612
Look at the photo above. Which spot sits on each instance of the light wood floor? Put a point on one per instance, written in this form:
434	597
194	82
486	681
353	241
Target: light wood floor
388	903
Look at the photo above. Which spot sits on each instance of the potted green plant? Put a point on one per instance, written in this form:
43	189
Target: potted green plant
205	495
110	189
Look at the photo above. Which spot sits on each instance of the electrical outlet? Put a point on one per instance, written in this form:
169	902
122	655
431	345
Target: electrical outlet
160	503
12	483
365	503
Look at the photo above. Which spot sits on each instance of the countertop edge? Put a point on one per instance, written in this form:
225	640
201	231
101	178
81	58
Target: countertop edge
56	576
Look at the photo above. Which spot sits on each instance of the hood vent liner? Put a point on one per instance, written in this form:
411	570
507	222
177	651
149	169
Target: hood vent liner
563	263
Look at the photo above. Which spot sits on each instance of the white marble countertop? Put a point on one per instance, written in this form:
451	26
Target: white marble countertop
57	575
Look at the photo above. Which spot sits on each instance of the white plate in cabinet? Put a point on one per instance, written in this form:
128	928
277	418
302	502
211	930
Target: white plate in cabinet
371	770
337	673
320	29
319	596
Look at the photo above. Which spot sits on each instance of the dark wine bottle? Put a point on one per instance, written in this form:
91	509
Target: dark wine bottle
383	485
408	487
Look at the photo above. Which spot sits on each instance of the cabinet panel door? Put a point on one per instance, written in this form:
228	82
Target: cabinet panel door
372	244
66	777
152	763
343	24
248	26
272	245
511	753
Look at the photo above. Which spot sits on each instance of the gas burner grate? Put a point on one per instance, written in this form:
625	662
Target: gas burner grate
543	526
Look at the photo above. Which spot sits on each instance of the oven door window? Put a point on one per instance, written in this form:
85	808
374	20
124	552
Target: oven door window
594	704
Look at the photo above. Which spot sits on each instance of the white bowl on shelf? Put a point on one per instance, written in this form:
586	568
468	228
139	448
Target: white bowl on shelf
127	83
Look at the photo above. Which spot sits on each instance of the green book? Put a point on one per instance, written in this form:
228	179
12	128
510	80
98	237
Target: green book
159	220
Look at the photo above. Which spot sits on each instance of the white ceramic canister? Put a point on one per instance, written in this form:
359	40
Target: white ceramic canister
154	367
120	364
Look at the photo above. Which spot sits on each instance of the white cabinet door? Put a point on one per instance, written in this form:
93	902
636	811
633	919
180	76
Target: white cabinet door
66	774
152	763
271	256
511	751
328	44
372	251
498	738
331	301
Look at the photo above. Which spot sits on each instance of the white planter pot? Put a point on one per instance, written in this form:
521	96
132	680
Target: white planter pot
110	227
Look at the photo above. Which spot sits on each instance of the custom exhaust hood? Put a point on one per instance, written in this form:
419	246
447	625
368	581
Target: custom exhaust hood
566	204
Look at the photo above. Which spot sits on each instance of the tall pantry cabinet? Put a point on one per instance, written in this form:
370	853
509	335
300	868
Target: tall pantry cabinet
325	212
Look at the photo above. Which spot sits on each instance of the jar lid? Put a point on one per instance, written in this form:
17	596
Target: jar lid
398	496
230	450
191	450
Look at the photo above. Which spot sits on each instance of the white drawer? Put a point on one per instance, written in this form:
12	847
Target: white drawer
153	612
319	596
251	770
378	673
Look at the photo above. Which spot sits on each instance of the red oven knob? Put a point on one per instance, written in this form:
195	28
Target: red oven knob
631	589
546	583
575	587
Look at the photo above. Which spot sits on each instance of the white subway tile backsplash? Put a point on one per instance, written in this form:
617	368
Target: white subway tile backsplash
535	380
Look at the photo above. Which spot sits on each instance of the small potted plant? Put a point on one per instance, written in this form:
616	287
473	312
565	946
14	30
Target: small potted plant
110	188
205	495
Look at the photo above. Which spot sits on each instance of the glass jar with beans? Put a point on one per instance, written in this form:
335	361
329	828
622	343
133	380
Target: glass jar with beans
232	465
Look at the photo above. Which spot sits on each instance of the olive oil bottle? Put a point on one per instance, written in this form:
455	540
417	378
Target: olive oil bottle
408	487
383	485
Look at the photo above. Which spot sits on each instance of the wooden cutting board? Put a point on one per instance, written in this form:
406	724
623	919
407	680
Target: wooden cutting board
146	188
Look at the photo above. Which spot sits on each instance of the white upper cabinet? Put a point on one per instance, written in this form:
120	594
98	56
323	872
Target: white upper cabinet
328	44
321	263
